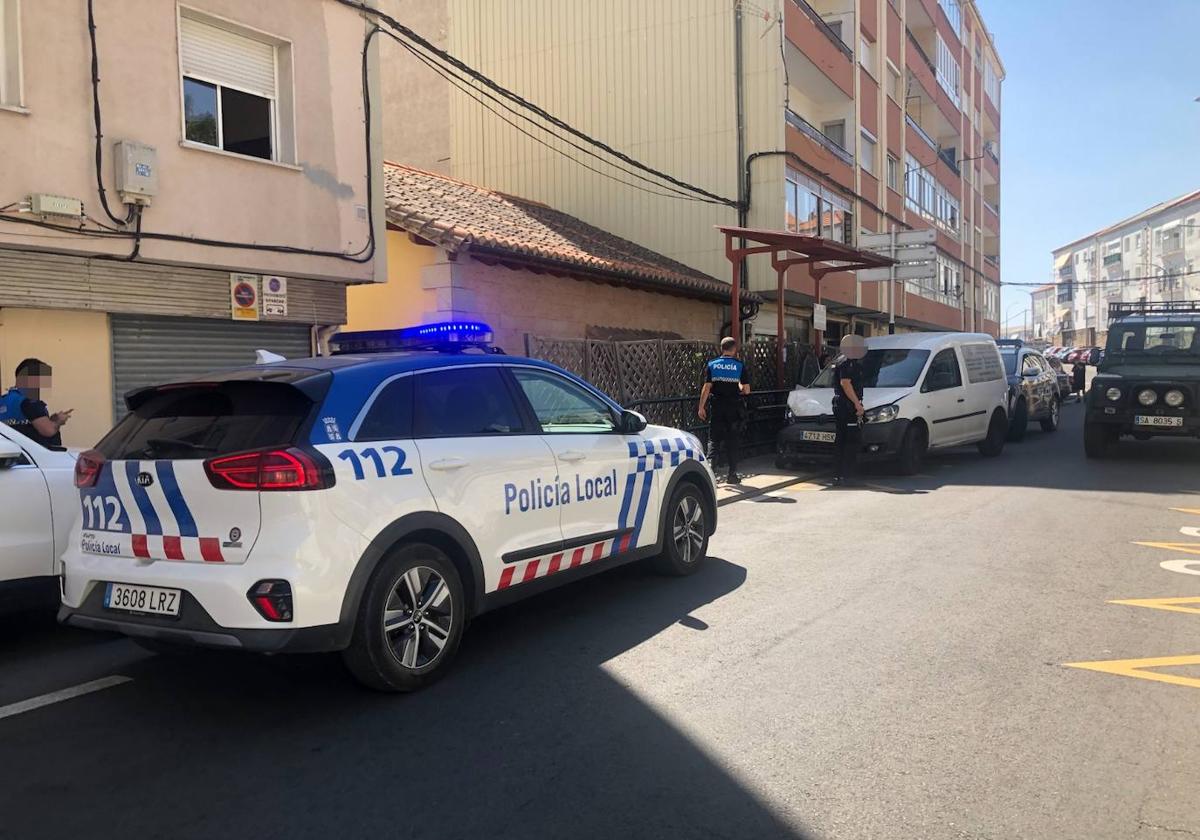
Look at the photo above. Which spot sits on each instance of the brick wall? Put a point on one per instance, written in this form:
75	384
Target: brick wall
516	302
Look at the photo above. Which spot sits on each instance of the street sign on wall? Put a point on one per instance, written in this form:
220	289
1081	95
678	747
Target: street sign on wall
243	297
820	320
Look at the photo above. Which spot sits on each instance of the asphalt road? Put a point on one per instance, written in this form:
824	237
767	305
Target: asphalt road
886	662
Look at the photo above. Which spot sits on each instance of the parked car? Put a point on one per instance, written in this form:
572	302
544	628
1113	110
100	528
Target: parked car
1033	389
923	391
38	506
371	503
1064	378
1148	382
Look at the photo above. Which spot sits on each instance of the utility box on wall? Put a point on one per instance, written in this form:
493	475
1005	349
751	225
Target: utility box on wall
137	172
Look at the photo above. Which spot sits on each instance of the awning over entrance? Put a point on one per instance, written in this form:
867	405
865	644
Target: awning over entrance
823	256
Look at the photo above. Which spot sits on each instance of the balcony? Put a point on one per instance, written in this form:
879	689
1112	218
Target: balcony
922	133
824	28
950	158
816	135
992	208
920	51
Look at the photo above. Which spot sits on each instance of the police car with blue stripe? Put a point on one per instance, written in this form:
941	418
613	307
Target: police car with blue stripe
371	502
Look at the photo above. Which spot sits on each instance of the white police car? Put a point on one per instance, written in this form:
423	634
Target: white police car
371	502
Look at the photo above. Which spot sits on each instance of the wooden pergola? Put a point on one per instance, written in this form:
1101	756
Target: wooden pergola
823	256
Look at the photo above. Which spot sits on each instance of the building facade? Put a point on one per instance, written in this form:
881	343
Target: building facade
851	117
1148	257
219	202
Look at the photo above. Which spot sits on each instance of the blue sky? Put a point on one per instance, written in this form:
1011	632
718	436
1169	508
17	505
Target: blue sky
1098	120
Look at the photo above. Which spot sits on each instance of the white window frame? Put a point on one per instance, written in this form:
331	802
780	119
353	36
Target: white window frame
991	82
869	151
895	77
12	79
893	173
282	154
953	14
949	74
867	58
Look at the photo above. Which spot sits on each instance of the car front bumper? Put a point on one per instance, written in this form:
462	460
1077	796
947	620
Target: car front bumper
1123	419
880	441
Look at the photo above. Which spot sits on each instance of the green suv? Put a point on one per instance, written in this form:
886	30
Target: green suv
1148	382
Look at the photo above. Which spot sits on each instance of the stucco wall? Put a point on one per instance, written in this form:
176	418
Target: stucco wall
76	345
201	193
402	300
416	100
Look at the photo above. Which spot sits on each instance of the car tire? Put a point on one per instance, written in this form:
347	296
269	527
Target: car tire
997	434
1098	440
685	532
1019	423
1050	421
913	449
410	620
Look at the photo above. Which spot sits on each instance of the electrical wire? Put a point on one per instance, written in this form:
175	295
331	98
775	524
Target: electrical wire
136	210
521	101
1160	278
475	95
96	121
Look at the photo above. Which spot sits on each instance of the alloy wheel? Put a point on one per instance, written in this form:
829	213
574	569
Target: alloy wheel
418	617
688	529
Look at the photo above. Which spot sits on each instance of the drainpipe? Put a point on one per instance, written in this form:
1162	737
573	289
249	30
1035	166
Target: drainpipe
740	271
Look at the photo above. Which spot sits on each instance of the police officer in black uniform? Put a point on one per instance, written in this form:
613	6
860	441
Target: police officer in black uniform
848	407
727	381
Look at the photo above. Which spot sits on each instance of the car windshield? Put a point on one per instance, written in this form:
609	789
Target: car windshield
1154	339
883	369
1009	355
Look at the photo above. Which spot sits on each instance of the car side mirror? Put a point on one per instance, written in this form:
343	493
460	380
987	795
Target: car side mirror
632	422
10	454
1093	358
1030	374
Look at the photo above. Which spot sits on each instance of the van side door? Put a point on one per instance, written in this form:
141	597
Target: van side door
945	400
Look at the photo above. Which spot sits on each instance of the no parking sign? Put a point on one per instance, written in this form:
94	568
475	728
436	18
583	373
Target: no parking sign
243	297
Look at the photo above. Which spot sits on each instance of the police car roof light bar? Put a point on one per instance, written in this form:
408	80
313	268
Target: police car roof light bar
446	337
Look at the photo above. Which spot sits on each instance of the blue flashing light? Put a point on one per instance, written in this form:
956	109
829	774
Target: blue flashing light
445	336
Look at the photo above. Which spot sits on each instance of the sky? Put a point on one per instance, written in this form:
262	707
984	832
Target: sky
1098	120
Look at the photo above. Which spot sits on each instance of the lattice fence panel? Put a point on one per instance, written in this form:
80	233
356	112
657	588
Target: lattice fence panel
641	368
760	357
683	363
604	369
569	354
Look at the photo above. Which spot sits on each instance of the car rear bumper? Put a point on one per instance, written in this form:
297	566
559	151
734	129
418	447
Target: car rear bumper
195	627
880	441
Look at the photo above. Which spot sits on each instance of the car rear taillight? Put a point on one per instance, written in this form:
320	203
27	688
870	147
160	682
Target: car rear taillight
87	468
272	599
271	469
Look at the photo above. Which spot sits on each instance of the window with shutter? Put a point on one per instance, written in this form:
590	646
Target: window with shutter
10	54
230	88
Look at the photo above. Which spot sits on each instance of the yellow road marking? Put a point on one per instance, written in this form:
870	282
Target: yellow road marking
1140	668
1172	604
1186	548
1187	510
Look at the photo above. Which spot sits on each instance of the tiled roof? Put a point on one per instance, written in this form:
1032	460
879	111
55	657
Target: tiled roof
460	216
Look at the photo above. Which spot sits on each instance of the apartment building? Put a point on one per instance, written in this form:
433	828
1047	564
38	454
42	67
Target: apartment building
827	117
229	143
1150	256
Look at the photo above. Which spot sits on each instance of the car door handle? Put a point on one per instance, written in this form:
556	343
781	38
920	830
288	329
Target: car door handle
962	399
447	464
572	455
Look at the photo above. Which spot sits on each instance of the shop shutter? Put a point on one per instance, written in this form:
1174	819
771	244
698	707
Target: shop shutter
148	350
227	58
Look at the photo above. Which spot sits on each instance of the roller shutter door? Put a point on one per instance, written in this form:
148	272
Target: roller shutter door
149	350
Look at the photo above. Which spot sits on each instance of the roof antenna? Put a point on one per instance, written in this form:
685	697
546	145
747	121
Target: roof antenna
266	357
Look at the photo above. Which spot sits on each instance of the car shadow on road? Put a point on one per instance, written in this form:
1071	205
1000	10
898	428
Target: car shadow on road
529	736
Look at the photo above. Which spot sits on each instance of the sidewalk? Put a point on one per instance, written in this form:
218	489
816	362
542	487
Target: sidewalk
760	475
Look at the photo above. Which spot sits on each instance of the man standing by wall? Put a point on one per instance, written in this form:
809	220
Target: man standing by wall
727	381
22	407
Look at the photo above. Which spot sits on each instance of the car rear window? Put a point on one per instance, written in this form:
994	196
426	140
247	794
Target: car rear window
180	422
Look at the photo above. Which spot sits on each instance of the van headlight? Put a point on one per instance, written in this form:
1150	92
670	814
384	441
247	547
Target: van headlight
883	414
1174	398
1147	397
1113	394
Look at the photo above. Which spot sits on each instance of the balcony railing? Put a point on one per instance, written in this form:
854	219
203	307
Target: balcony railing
922	133
912	39
995	210
820	23
948	158
812	132
992	259
990	151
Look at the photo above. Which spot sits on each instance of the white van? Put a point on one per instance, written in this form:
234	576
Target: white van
922	391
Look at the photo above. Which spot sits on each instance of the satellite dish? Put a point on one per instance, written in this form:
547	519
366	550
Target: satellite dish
266	357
